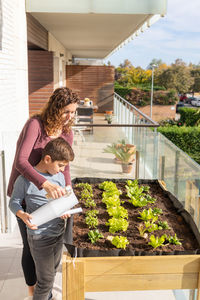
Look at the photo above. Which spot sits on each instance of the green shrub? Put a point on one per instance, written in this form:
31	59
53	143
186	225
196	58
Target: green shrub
190	116
122	91
186	138
142	96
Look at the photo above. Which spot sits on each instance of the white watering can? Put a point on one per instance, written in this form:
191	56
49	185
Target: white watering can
56	208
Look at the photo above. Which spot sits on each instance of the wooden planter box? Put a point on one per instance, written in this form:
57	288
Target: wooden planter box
129	273
98	274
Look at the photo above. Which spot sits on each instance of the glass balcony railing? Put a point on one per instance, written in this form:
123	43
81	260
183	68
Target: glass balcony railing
157	157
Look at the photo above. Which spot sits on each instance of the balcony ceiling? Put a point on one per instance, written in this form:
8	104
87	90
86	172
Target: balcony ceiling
94	32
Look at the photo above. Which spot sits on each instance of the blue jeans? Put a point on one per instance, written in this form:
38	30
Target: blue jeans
46	252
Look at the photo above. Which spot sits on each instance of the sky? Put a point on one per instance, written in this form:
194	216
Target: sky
177	35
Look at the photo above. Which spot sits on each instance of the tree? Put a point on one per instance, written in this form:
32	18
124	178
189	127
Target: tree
126	64
196	75
176	77
179	62
156	62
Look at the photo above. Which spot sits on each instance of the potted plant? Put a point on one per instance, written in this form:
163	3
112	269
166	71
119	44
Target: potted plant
109	119
126	158
121	147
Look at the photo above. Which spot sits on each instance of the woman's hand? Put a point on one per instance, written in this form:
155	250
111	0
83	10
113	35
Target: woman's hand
26	219
54	191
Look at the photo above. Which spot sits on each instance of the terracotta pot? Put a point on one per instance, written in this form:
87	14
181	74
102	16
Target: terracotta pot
118	161
108	112
132	149
127	168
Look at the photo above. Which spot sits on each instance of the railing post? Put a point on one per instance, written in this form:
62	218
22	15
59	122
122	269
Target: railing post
162	175
129	128
176	175
137	164
155	155
3	198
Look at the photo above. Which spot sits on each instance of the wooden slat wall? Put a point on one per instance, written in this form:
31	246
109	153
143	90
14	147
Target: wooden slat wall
94	82
40	73
37	35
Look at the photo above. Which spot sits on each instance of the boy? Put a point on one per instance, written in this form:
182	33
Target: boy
45	241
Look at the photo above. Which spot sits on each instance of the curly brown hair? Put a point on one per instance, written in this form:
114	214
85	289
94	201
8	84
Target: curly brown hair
52	111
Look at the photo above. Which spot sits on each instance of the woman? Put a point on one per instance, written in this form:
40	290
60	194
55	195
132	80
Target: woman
54	121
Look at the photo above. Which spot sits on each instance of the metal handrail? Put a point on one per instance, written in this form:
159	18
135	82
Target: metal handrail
137	110
116	125
152	124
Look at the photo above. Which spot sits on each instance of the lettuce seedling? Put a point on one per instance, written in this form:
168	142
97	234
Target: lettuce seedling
92	222
89	202
117	224
118	212
163	225
92	213
157	211
148	214
174	240
137	195
147	226
118	241
95	235
87	194
86	186
156	241
111	201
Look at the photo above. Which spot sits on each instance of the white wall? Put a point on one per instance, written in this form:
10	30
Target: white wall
13	77
13	66
61	58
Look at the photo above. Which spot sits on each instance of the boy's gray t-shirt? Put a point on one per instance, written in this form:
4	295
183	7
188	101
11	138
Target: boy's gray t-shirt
34	198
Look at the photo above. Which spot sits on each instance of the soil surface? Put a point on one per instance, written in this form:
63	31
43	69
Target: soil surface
175	221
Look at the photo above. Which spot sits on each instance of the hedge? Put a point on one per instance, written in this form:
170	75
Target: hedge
186	138
189	116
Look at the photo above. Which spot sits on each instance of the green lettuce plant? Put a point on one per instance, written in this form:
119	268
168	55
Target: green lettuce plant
150	214
173	240
156	241
95	235
92	222
119	241
92	213
117	224
111	201
138	195
118	212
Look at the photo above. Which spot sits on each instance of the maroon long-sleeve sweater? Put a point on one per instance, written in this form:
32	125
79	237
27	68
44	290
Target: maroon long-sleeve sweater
30	144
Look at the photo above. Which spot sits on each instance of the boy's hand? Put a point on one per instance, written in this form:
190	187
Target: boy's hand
54	191
65	216
26	219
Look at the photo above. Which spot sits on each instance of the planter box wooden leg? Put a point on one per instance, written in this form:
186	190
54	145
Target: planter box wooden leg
73	279
198	288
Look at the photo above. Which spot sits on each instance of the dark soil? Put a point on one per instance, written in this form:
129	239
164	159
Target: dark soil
137	243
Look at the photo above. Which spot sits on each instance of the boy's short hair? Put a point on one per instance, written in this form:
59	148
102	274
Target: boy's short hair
58	149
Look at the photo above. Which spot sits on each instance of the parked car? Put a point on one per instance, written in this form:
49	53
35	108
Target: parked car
198	103
178	106
190	99
195	102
